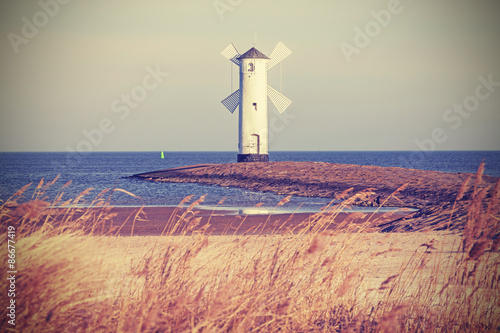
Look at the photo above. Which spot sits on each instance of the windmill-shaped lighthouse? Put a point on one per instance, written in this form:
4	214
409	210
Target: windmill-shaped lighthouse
252	99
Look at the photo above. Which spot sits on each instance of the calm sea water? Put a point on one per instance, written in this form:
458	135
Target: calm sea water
107	170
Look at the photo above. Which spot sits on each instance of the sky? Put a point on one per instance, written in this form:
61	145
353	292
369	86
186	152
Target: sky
148	75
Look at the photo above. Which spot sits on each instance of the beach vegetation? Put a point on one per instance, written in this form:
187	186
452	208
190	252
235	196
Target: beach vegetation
77	273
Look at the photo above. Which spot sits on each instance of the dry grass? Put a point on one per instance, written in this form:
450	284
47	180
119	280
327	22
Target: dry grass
74	278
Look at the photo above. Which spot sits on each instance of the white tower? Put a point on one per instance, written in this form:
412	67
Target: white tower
252	99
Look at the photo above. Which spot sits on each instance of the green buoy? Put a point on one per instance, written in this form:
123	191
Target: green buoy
162	155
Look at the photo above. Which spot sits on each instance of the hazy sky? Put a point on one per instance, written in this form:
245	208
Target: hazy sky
363	75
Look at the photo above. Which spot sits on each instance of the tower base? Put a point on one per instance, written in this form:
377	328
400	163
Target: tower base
253	158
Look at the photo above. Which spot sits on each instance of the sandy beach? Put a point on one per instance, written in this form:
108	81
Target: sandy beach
374	256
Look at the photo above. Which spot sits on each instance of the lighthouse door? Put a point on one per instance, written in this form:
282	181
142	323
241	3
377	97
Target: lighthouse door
254	144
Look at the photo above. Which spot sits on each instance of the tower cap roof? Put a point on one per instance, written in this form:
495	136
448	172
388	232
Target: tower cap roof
253	53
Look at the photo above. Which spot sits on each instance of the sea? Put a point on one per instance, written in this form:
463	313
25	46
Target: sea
100	171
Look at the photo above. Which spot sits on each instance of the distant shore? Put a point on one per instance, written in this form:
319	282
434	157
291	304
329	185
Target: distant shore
431	192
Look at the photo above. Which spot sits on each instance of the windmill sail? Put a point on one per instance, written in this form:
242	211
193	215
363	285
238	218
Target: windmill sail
279	53
279	100
231	53
232	101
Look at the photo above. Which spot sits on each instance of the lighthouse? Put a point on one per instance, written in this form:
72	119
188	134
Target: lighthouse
251	97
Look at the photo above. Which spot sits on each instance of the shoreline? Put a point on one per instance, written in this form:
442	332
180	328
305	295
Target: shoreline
246	210
156	221
432	193
324	180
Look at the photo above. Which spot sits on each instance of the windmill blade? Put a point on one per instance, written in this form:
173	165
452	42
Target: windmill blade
279	53
235	60
231	53
279	100
232	101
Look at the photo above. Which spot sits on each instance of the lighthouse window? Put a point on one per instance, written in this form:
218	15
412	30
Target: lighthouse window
255	106
250	67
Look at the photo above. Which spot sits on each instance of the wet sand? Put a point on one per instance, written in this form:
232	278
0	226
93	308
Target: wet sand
155	221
